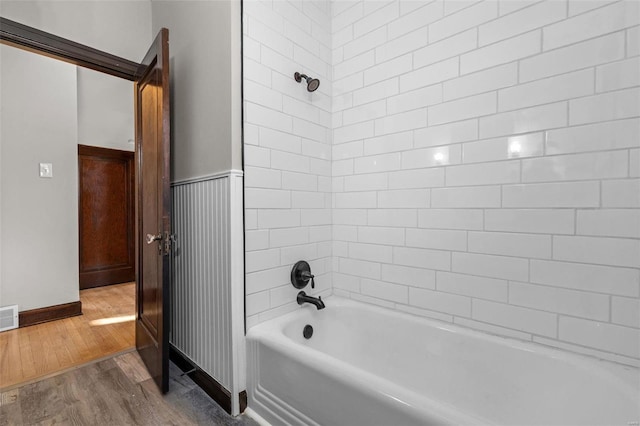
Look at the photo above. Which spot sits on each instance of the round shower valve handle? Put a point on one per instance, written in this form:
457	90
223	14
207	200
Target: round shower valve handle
301	274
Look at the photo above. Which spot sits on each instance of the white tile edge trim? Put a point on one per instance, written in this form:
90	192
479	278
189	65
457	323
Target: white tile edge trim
237	290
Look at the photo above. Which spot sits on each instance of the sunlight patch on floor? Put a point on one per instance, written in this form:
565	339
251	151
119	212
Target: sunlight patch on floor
112	320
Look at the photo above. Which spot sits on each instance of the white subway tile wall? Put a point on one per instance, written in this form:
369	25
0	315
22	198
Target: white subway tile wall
288	150
480	162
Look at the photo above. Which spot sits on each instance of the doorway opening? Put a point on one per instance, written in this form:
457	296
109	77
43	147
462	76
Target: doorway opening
106	216
152	176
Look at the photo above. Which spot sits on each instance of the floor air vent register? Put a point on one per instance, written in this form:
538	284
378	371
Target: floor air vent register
8	317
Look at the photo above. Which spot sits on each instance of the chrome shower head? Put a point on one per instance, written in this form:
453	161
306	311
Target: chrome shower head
312	83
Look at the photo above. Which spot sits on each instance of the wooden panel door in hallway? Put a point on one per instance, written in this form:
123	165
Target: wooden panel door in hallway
106	182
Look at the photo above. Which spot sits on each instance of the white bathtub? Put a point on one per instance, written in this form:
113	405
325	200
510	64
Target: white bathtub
366	365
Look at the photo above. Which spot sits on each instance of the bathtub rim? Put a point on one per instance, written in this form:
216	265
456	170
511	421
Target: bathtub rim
606	369
378	386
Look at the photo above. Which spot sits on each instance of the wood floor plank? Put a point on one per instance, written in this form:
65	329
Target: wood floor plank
37	349
28	364
100	402
10	411
104	393
78	346
42	349
48	340
39	402
5	357
4	351
132	366
61	341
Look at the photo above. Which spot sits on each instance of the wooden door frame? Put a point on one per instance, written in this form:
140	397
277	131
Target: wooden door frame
37	41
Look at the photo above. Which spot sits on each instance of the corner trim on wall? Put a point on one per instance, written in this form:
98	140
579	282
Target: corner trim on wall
237	292
49	313
207	383
212	176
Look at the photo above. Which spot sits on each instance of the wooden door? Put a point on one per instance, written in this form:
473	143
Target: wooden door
106	182
153	205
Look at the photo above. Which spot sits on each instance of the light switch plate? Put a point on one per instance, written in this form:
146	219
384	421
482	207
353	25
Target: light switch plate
46	170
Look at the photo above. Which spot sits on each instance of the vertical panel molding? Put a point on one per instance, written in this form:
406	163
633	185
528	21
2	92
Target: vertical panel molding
206	314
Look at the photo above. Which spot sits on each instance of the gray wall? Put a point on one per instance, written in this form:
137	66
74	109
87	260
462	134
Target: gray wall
205	69
39	264
42	269
122	28
105	111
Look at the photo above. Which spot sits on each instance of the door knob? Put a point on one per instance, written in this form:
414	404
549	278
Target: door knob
152	238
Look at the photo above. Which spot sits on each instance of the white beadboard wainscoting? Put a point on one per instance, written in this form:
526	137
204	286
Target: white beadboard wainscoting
484	158
207	316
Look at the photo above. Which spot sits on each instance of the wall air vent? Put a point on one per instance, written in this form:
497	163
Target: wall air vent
8	317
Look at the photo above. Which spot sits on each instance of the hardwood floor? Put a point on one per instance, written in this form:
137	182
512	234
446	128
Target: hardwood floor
116	391
106	327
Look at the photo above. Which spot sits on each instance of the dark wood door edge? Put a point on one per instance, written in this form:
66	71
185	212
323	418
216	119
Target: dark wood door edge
38	41
211	386
49	313
153	209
